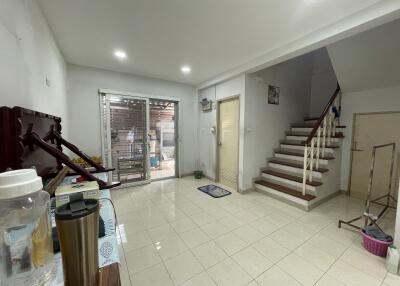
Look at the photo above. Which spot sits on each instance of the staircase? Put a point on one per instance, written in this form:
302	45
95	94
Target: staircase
305	169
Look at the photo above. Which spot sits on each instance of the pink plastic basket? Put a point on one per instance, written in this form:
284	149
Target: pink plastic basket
375	246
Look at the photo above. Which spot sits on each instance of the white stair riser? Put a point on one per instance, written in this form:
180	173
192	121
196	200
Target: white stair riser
283	196
292	169
294	147
298	186
299	159
303	138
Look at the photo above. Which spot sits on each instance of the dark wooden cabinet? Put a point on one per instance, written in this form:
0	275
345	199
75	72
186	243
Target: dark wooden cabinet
33	139
14	124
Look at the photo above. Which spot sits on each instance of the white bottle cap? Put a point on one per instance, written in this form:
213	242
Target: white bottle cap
18	183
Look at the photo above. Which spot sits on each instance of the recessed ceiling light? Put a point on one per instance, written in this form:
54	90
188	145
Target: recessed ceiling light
186	69
120	54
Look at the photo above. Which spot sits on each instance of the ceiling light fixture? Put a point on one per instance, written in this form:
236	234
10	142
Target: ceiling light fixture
186	69
120	54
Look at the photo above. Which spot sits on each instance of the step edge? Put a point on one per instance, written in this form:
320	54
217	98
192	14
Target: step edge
302	144
300	179
312	197
282	167
320	170
301	155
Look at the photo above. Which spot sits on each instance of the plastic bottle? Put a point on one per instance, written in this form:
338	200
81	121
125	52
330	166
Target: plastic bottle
26	246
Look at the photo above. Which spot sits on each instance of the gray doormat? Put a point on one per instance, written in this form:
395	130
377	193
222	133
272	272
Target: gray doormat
214	191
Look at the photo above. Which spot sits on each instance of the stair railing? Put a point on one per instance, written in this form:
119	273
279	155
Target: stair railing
320	137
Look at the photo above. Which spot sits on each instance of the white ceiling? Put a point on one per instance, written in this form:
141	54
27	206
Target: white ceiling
369	60
159	36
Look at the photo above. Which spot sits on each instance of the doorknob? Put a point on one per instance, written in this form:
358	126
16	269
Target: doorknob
220	143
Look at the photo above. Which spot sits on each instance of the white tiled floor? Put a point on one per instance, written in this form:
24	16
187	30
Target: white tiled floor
173	234
167	169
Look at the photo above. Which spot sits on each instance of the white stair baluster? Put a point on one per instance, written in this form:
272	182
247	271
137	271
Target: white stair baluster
329	131
323	137
334	121
311	159
318	145
305	169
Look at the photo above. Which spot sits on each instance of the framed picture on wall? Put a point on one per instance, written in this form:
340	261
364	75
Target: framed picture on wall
273	94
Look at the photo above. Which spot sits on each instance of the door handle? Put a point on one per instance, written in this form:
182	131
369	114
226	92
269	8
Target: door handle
219	143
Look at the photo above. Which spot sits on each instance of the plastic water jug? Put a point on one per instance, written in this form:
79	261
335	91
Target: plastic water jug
26	246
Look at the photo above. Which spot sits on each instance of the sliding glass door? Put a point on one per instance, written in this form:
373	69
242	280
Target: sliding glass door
125	128
140	137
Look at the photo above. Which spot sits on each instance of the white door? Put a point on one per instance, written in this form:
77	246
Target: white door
371	130
228	142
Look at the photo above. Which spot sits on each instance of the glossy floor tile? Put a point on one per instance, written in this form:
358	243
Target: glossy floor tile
171	234
209	254
229	273
183	267
253	262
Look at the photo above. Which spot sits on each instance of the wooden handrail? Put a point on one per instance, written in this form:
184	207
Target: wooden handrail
321	118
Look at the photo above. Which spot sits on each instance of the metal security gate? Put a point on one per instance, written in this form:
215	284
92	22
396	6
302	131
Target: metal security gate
125	126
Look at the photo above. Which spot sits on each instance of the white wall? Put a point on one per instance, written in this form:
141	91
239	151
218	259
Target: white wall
377	100
29	55
261	125
265	124
84	115
367	66
369	60
323	82
207	160
397	226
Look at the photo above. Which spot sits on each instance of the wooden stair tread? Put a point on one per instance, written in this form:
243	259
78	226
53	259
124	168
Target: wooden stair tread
286	190
291	177
300	154
302	143
305	134
295	165
309	125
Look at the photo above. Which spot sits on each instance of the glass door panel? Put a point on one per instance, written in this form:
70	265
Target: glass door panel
163	135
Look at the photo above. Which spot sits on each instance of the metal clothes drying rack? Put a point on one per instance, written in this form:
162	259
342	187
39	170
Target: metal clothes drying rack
371	219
